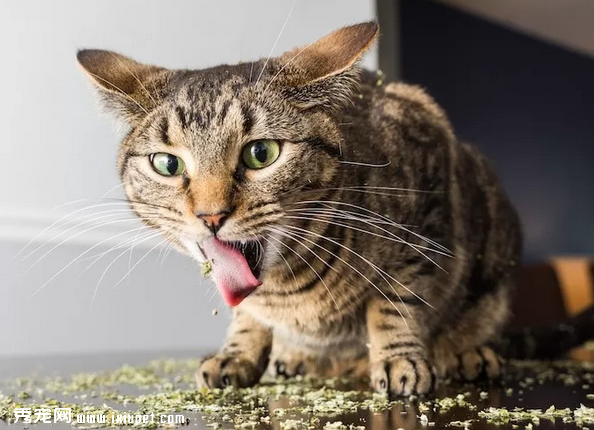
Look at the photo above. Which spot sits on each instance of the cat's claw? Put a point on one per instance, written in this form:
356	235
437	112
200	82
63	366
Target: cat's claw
403	376
222	370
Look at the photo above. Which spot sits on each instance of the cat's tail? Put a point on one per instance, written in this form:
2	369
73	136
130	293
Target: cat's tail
549	342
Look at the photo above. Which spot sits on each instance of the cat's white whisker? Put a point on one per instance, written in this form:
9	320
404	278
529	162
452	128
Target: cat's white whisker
284	233
369	187
372	223
428	240
312	217
132	251
276	41
394	224
346	215
128	243
358	163
284	259
166	250
78	258
78	234
170	247
285	66
54	224
381	191
287	234
364	259
74	227
412	246
355	269
72	202
113	262
213	293
259	251
397	225
161	251
376	193
160	243
81	222
112	189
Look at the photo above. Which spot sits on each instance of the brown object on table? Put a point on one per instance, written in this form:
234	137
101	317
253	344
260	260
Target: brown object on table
552	292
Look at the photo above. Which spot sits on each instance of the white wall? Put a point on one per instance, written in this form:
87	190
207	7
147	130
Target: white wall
55	149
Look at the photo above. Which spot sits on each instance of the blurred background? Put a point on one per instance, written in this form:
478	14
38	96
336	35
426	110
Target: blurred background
514	77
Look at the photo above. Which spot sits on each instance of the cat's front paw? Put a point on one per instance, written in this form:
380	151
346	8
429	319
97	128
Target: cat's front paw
478	363
403	376
292	363
223	370
289	369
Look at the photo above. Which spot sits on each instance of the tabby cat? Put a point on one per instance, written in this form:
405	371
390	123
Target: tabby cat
345	224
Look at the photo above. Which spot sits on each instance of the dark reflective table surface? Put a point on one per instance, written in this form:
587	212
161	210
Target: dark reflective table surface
532	395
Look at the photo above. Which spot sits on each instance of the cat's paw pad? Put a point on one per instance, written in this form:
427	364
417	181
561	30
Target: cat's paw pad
403	376
221	370
479	363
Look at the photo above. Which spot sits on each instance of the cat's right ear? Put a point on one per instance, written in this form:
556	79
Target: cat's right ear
126	87
326	72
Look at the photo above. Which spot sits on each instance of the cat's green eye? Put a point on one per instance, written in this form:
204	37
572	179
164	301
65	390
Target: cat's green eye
167	164
260	153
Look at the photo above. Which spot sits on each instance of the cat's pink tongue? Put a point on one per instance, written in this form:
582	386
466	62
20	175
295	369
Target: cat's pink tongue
230	271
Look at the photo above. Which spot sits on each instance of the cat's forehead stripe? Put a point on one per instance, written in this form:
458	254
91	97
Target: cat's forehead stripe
164	131
248	119
203	105
182	117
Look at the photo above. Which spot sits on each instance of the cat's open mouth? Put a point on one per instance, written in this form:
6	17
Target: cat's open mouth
236	267
252	253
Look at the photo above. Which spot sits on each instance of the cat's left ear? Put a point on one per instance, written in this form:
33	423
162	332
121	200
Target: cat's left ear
126	87
326	72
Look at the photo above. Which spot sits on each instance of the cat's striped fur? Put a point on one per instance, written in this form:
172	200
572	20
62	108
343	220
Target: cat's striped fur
389	247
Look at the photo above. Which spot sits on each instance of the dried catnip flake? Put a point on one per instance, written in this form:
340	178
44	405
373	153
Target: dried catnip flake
206	268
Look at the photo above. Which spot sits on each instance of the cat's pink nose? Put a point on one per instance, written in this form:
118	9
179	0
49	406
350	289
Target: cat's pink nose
213	221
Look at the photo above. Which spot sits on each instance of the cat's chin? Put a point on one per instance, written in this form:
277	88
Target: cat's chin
236	267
